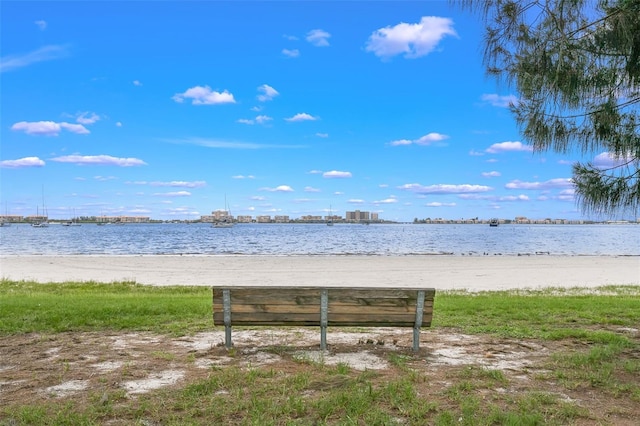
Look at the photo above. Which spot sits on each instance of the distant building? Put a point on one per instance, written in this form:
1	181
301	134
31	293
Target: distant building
358	216
244	219
263	219
281	219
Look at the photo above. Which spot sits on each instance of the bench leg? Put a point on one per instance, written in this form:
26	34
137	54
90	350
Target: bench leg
418	323
226	307
227	336
416	339
324	318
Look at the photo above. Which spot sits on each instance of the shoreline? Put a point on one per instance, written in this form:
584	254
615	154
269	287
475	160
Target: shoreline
442	271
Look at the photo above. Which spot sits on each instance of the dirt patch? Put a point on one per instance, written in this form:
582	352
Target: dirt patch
36	368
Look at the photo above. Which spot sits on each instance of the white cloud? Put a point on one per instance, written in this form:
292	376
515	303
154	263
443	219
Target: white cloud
243	177
355	201
180	184
260	119
203	95
48	128
302	116
491	174
520	197
104	178
474	153
390	200
75	128
87	117
437	204
401	142
22	163
412	40
213	143
549	184
281	188
258	198
508	146
322	135
118	124
137	83
46	53
100	160
173	194
336	174
566	195
499	100
607	160
311	189
42	24
293	53
445	188
425	140
315	172
267	93
318	38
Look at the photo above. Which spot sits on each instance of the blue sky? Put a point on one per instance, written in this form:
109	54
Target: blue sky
163	109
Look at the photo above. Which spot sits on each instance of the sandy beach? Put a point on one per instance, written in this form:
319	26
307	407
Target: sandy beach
475	273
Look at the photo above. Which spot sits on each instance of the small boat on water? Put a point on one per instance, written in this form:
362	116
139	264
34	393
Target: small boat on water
227	220
494	222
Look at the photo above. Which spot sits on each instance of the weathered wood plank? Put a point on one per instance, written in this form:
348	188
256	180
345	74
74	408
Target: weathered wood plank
301	306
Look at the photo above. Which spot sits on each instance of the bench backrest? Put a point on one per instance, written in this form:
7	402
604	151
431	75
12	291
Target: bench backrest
384	307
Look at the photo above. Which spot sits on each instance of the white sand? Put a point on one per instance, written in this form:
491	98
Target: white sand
441	272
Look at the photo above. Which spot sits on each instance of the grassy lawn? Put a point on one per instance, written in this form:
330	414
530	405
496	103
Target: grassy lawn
590	375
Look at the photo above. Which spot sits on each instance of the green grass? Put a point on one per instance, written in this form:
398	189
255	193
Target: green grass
600	360
27	307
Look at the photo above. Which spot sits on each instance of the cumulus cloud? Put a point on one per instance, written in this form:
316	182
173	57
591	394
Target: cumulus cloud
412	40
336	174
311	189
21	163
281	188
173	194
291	53
501	101
355	201
267	93
508	146
87	117
203	95
48	128
41	24
180	184
491	174
445	188
45	53
549	184
437	204
607	160
390	200
425	140
318	38
302	116
260	119
100	160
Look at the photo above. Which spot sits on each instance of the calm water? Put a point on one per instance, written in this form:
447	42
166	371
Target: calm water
298	239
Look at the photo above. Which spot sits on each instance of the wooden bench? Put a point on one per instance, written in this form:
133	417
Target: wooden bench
323	307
